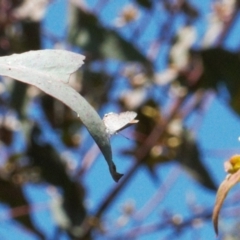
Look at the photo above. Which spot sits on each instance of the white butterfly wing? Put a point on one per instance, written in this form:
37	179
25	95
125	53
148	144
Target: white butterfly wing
115	122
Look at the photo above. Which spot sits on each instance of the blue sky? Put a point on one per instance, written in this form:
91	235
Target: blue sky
219	130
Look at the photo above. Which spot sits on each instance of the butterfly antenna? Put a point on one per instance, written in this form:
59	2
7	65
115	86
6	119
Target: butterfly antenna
125	136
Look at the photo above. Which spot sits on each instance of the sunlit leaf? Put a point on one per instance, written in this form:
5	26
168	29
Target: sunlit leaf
223	190
49	70
46	65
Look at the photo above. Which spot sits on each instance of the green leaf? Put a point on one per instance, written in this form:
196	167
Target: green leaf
219	67
98	41
52	65
187	152
53	170
13	195
189	156
95	86
222	67
145	3
49	70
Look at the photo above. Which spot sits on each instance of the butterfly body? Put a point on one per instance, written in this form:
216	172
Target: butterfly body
115	122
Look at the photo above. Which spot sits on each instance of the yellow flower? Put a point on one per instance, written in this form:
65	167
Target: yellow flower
233	164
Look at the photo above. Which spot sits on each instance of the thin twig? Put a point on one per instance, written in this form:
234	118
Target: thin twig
227	28
151	205
142	151
88	160
23	210
147	229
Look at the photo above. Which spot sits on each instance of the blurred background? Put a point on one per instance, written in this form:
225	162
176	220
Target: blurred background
174	62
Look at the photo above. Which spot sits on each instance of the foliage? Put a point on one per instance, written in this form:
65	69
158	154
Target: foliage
47	70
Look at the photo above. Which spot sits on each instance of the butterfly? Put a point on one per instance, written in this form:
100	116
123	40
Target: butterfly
115	122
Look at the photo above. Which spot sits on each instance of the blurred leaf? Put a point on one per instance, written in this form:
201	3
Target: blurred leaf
51	70
70	133
218	67
63	119
184	149
29	11
18	97
43	155
188	155
30	39
55	111
6	135
189	10
145	3
185	6
116	47
95	86
99	42
6	12
223	190
148	116
222	66
54	171
13	195
73	204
